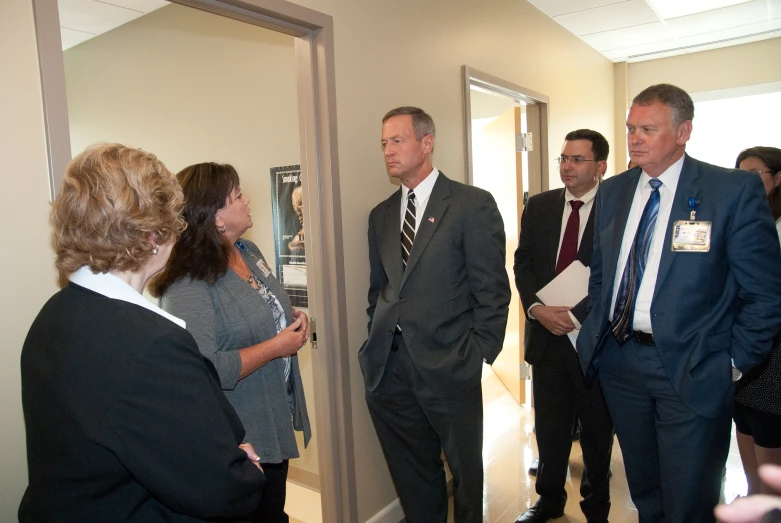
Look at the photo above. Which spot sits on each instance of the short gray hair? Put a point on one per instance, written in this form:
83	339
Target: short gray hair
678	100
422	123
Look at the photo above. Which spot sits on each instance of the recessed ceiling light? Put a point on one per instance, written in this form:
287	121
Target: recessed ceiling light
675	8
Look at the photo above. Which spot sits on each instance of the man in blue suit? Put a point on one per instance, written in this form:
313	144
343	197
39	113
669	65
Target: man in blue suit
685	295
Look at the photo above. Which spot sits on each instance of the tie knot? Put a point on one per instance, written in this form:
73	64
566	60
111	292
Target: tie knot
655	183
576	204
411	196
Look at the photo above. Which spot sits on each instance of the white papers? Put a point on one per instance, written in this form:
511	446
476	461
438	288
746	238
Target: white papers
568	288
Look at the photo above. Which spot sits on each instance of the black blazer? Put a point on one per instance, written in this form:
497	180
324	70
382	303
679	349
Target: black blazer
535	264
125	420
452	300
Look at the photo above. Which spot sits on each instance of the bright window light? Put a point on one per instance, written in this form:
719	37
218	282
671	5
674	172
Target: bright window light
675	8
723	128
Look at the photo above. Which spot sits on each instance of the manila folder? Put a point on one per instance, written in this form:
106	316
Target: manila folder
568	288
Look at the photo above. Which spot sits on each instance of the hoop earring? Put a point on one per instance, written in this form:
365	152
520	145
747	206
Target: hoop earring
221	229
156	250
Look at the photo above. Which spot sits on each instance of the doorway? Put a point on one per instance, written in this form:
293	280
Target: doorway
313	55
506	129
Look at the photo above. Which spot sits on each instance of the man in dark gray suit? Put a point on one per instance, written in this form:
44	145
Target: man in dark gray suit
438	302
557	228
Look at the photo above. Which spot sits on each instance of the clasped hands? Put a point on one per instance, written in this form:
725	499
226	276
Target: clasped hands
556	319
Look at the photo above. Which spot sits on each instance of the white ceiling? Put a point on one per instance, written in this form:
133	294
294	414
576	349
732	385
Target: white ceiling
635	30
81	20
622	30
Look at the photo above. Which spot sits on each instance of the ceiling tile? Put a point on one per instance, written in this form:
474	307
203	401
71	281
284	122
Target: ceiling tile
561	7
629	52
731	36
70	37
144	6
93	17
614	16
636	35
725	18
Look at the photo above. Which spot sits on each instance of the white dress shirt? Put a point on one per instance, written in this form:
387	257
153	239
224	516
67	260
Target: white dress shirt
422	194
645	294
114	287
585	209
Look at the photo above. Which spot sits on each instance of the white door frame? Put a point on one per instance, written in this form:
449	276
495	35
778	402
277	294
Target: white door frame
314	54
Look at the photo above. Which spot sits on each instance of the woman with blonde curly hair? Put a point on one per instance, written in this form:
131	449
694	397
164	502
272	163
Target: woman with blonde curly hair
125	420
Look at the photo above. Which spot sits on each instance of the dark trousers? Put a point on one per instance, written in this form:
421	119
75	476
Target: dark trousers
414	425
560	393
272	502
673	456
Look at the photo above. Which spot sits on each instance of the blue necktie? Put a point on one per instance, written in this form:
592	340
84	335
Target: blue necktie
623	314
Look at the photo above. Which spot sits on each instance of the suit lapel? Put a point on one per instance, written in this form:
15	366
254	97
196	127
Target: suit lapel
389	242
586	247
551	217
615	230
688	187
438	203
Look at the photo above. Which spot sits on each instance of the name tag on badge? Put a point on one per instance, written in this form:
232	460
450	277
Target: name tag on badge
264	268
691	236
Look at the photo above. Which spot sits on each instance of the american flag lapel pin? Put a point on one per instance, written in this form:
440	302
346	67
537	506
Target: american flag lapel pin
431	219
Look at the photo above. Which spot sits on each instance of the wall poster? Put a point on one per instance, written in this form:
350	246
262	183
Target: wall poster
287	203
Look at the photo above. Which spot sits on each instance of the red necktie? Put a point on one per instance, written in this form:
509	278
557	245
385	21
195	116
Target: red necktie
569	244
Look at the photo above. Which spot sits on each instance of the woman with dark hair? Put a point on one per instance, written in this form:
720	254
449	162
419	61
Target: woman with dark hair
757	411
242	319
112	433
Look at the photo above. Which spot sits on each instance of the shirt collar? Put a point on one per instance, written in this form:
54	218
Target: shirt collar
113	287
586	198
669	178
424	188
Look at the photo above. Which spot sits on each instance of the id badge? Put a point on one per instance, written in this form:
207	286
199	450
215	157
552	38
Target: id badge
691	236
264	268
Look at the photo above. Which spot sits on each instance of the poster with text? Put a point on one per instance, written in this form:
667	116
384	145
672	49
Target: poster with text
287	202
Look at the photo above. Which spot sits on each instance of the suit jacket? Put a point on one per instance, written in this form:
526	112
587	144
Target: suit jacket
708	308
452	300
231	315
535	264
125	420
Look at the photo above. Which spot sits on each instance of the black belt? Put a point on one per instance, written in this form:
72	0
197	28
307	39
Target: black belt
644	338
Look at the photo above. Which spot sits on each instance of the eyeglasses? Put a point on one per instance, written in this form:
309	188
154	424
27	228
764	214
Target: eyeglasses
757	171
577	160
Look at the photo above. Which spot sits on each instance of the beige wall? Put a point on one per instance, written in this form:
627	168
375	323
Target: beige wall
26	258
747	64
192	87
407	53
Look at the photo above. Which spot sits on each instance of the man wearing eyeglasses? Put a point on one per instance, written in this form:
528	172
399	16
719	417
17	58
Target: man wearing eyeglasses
557	228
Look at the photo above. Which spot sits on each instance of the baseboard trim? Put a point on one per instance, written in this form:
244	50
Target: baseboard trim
304	478
390	514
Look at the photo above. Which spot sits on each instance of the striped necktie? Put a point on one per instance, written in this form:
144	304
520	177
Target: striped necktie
624	313
408	229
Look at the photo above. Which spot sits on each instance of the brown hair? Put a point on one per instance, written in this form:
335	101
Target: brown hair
113	198
770	156
201	253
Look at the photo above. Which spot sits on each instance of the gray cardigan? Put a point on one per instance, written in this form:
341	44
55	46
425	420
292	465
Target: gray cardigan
231	315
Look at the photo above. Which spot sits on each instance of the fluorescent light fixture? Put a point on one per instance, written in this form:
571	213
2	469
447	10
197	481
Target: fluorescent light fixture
675	8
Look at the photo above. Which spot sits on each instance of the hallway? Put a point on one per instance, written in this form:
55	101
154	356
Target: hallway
509	448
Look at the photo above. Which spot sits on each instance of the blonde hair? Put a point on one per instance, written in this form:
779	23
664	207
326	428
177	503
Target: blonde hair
113	198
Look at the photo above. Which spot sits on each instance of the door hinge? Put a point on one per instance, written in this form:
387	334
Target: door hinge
524	142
